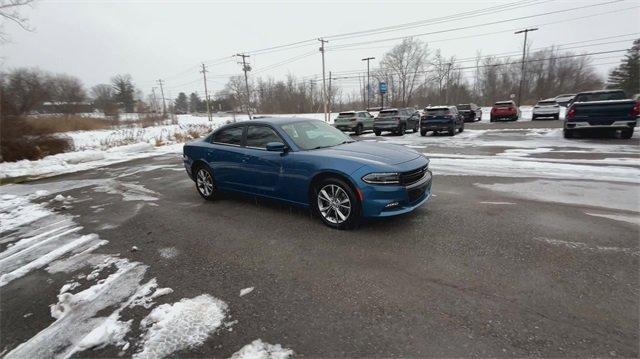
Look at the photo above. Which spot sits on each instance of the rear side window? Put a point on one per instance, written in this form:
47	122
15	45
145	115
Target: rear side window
547	103
229	136
346	114
259	136
464	107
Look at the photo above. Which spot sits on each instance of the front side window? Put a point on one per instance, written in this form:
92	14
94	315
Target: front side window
309	135
229	136
259	136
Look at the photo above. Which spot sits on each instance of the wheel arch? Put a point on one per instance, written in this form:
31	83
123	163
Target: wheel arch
322	175
197	164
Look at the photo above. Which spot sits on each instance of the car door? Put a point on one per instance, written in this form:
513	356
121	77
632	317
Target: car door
369	121
226	157
264	168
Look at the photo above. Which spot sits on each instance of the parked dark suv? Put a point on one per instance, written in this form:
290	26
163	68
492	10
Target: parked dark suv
396	120
441	118
470	112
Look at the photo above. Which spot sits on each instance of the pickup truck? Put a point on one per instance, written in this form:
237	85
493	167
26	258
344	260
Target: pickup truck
602	110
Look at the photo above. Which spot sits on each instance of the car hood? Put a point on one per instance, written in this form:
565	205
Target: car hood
370	152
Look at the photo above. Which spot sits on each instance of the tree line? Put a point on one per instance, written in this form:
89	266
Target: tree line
415	75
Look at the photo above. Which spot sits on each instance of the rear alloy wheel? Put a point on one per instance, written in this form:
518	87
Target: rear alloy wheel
423	133
626	134
461	127
402	130
452	131
204	183
416	127
377	132
336	204
358	130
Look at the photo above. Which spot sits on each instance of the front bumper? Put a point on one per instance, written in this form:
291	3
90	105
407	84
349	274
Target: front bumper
584	125
392	200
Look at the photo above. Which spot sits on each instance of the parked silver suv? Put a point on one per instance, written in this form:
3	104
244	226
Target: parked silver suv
397	120
356	121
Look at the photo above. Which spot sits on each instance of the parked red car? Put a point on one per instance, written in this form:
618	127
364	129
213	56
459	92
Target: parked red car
505	110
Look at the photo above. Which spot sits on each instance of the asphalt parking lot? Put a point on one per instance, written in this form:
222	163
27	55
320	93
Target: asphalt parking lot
520	252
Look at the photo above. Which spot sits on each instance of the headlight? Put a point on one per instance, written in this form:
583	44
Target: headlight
382	178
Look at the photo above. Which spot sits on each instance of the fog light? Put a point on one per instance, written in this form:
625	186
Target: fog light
392	204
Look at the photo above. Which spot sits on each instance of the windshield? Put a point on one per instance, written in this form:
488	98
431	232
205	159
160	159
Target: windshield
600	96
547	103
438	111
464	107
309	135
346	114
387	113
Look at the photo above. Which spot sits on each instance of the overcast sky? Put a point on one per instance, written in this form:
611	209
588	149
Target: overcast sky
150	40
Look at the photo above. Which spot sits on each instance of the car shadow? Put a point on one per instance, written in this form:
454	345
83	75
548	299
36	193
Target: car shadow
599	134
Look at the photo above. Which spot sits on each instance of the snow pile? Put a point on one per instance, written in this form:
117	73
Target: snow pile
261	350
183	325
75	161
246	291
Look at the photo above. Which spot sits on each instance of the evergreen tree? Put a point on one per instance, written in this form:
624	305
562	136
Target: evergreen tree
195	104
124	92
181	104
627	75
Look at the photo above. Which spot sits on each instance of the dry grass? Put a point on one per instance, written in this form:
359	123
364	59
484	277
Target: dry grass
45	125
20	141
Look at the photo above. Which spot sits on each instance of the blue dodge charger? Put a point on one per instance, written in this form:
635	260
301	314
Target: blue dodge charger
311	164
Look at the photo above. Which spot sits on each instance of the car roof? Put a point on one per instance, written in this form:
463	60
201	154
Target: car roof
600	91
566	95
548	100
438	107
273	121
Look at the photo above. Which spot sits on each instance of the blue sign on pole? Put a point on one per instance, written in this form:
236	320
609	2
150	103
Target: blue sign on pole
382	87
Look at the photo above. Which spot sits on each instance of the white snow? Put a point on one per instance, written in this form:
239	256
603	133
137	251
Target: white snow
168	252
633	219
246	291
261	350
182	325
606	195
498	203
128	190
587	247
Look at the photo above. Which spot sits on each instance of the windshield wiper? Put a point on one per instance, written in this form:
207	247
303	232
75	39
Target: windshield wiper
337	144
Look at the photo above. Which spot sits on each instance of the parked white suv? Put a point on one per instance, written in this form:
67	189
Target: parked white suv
546	108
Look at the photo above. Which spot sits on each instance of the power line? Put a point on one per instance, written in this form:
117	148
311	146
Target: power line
478	25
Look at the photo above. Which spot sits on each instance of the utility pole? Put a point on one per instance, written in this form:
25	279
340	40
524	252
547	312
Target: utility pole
246	68
446	91
524	55
206	92
312	83
368	83
330	96
155	102
164	104
324	86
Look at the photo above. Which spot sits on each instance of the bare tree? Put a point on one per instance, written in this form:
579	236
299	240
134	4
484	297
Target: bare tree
403	65
10	12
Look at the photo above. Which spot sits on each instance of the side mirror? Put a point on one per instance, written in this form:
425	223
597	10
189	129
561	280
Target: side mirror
276	147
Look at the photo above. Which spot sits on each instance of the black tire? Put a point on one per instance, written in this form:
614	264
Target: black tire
377	132
533	118
402	130
567	133
452	131
556	117
492	119
626	134
202	174
358	130
423	133
329	216
416	128
461	128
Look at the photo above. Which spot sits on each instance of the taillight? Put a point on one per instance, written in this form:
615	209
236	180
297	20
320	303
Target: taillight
635	111
571	113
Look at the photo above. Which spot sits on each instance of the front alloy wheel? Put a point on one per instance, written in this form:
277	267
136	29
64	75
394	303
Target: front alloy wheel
204	183
336	204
